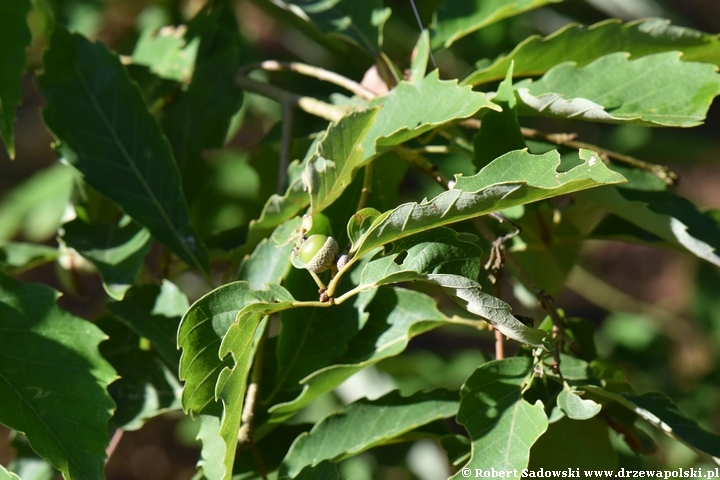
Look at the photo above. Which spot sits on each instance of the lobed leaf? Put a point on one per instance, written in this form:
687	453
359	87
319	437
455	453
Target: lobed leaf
394	317
270	261
18	256
575	407
5	475
63	407
166	52
513	179
411	109
324	470
372	423
117	250
15	37
338	157
458	18
575	43
201	331
568	443
655	90
501	424
106	132
670	217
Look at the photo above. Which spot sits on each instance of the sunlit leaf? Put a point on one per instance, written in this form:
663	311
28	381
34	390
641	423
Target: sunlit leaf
501	424
582	45
655	90
576	407
458	18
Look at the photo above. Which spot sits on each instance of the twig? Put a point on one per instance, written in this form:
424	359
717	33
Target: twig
245	435
310	105
114	442
311	71
568	140
423	165
366	188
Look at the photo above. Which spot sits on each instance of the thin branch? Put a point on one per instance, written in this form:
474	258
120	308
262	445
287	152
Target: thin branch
311	71
421	164
245	435
310	105
114	442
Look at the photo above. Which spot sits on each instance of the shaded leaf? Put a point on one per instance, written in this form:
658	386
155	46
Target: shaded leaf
107	133
372	423
411	109
666	215
500	131
36	206
15	36
337	158
536	55
568	443
420	57
154	312
63	407
270	261
576	407
324	470
199	118
513	179
458	18
147	386
655	90
393	317
116	249
500	422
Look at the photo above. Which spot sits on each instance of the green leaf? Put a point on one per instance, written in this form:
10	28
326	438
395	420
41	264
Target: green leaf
372	423
358	22
666	215
27	464
574	444
106	132
15	36
63	407
116	249
394	317
17	256
201	331
324	470
513	179
36	206
575	407
166	52
500	422
199	118
660	412
147	386
411	109
499	131
458	18
5	475
238	342
655	90
270	261
154	312
338	156
420	57
582	45
213	448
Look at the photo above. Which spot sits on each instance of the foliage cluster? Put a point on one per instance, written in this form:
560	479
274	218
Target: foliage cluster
437	197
